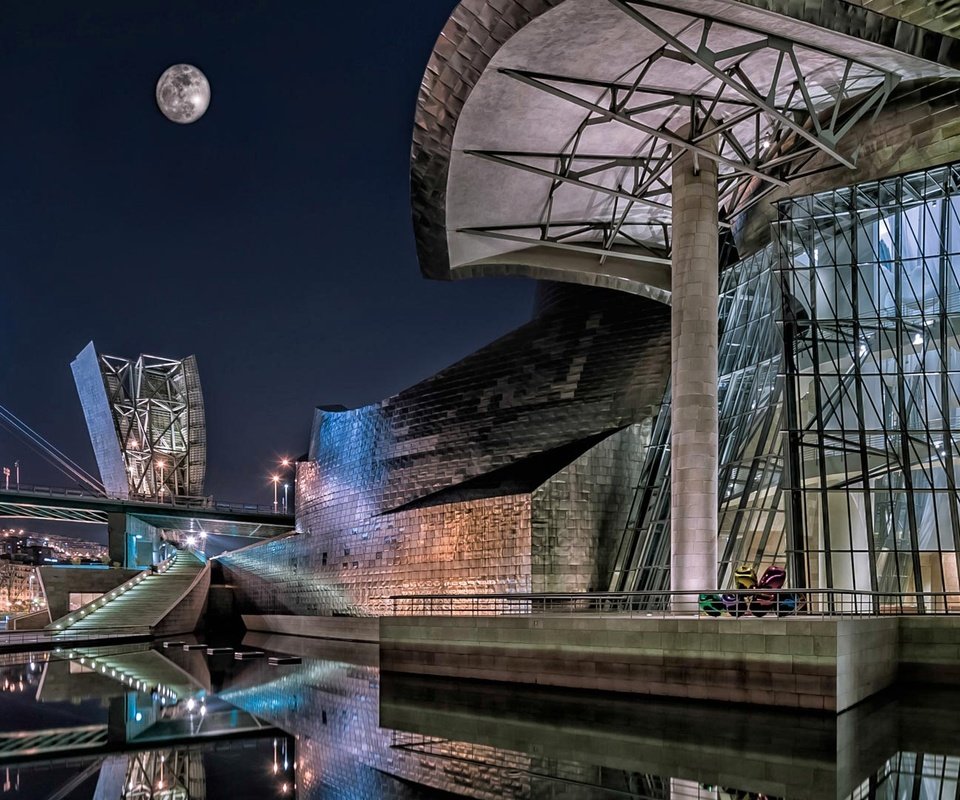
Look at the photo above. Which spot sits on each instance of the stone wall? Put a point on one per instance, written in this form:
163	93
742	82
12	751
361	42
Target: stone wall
930	649
868	661
829	664
59	582
185	615
791	663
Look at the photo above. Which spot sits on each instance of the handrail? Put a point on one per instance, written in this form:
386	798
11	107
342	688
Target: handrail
46	636
107	597
712	603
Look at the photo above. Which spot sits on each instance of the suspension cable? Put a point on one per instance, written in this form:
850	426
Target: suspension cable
51	454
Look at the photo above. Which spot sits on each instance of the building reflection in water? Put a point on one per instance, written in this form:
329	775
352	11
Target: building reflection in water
360	735
142	724
130	723
913	775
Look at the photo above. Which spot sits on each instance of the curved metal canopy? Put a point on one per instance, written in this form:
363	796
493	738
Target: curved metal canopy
546	131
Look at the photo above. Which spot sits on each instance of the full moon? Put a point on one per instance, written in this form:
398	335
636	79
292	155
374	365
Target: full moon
183	93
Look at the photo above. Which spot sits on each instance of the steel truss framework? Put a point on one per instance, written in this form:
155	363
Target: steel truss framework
157	409
169	774
763	109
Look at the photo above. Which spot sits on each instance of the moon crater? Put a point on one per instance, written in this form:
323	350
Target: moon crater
183	93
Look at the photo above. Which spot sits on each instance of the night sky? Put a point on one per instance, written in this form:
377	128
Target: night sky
272	238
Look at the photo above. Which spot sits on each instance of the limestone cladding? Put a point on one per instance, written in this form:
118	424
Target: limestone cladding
694	411
824	664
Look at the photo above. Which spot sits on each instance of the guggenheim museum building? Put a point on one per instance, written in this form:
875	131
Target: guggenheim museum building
744	220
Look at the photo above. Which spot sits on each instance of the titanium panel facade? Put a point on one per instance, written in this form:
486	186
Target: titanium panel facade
542	462
511	470
518	166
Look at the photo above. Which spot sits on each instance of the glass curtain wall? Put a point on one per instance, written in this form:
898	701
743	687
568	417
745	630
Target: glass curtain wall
870	320
751	516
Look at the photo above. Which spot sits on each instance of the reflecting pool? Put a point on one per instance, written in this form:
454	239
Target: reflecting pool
170	723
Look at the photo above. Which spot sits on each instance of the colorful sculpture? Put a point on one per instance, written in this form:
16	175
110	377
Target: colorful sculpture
760	603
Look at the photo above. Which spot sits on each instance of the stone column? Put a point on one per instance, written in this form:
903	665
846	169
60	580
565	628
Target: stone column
694	415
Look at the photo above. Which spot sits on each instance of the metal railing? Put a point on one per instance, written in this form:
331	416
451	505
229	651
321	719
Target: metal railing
166	499
730	604
15	639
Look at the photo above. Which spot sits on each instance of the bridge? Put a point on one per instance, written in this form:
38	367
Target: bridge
135	526
147	427
172	512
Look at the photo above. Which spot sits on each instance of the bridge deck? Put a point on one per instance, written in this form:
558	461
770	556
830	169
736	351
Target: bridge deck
186	514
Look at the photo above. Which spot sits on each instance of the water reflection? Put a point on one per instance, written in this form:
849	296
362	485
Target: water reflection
128	722
138	722
913	776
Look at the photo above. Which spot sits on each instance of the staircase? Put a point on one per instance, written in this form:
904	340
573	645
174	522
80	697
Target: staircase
142	602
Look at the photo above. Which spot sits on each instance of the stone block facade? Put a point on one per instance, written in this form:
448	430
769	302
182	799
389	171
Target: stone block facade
789	663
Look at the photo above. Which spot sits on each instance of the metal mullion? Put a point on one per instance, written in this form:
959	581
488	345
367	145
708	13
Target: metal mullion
795	512
861	419
902	417
945	389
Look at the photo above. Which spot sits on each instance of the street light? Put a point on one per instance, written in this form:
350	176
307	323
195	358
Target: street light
276	487
286	464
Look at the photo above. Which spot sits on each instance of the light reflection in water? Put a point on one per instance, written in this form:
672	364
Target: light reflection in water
358	735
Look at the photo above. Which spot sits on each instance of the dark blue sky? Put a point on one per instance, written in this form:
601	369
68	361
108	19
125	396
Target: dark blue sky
272	238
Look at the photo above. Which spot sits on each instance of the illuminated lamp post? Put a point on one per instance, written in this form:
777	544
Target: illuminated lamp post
276	489
286	464
160	466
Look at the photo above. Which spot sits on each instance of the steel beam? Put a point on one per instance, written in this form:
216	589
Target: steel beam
615	116
706	59
497	159
576	248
